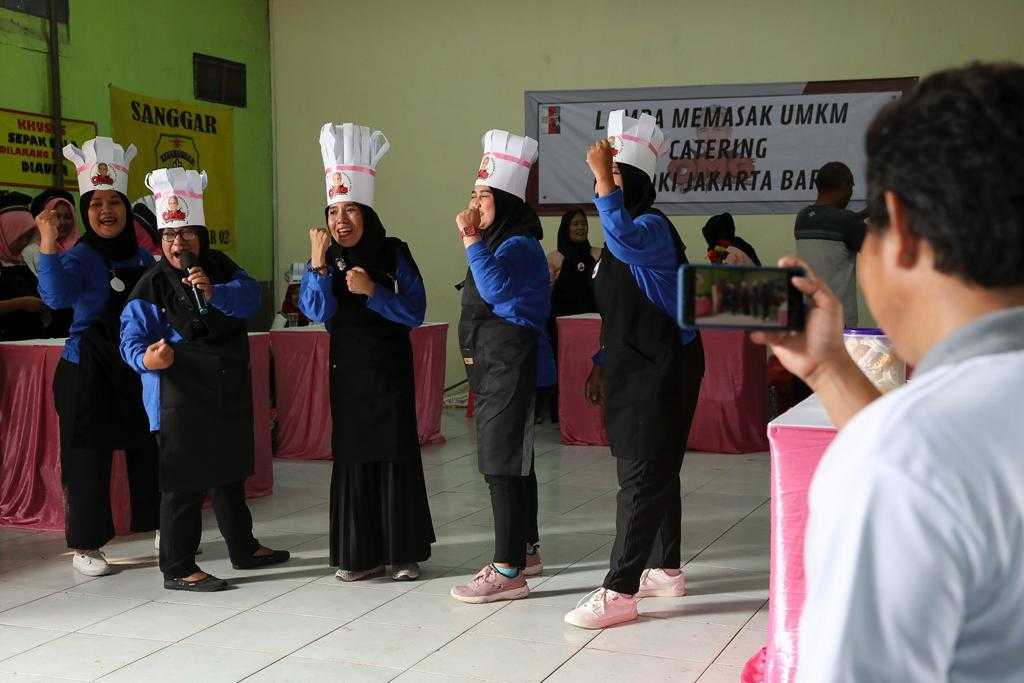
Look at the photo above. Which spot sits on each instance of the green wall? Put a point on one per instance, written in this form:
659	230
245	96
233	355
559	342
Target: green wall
147	47
434	75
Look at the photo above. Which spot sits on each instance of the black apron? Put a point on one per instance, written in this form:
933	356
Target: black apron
501	364
110	413
206	422
573	291
649	377
373	390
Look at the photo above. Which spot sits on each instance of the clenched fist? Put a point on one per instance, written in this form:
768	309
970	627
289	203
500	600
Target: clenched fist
599	159
48	223
359	282
468	222
159	355
319	243
199	279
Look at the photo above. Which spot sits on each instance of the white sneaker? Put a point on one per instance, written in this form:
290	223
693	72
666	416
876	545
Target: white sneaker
603	608
90	563
347	576
656	583
405	572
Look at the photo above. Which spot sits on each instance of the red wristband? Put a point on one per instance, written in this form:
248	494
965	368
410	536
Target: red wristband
471	231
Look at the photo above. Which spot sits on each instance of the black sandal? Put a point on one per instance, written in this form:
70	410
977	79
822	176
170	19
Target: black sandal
257	561
211	584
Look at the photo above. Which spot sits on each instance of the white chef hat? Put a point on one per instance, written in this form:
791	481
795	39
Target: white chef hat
178	193
637	142
101	164
351	154
507	161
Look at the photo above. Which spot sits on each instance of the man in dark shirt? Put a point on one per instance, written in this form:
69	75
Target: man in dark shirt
828	236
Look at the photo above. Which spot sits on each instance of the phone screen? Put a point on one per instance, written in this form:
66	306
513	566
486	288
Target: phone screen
732	297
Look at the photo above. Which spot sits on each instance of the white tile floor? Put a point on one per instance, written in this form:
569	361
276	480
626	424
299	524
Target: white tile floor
295	622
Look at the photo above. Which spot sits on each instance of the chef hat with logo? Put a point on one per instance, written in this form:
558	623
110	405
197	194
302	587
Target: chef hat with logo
637	142
351	154
507	161
101	164
178	193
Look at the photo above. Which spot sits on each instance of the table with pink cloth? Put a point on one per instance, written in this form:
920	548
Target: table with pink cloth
302	384
732	410
798	440
31	495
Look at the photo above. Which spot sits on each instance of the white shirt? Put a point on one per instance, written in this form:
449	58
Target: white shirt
914	551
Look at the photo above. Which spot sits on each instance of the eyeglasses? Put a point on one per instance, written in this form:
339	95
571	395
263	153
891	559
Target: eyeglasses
187	234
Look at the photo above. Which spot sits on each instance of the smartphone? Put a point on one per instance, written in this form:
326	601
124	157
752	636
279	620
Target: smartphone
739	298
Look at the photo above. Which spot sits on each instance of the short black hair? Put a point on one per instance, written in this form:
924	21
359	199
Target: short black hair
952	150
835	175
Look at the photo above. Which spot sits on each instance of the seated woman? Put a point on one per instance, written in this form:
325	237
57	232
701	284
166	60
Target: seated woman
725	246
184	331
23	315
571	267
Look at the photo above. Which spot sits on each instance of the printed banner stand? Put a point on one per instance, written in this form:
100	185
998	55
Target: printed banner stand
746	149
26	148
188	135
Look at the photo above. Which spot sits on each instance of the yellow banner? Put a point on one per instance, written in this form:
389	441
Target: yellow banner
186	134
26	148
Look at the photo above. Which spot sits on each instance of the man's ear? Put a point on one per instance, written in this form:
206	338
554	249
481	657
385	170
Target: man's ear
907	244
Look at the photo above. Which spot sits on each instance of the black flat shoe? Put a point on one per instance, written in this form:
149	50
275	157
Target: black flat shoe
211	584
257	561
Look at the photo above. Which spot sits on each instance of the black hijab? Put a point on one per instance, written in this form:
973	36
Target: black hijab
163	287
371	252
119	248
512	217
638	195
572	251
722	228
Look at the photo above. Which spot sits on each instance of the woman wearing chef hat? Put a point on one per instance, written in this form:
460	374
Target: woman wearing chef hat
98	398
647	374
368	290
505	306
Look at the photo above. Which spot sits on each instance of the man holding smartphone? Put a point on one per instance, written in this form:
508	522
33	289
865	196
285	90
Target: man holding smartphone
916	524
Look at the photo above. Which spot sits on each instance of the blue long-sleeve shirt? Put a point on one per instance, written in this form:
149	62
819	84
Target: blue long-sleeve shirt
407	306
79	279
645	245
144	323
515	281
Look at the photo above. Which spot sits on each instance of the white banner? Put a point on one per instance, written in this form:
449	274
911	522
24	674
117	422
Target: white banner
750	152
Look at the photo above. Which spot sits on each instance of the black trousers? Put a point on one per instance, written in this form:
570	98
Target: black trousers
648	521
181	527
86	465
88	520
514	505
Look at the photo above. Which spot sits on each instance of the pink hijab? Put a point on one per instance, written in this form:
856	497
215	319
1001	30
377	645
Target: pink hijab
14	223
71	239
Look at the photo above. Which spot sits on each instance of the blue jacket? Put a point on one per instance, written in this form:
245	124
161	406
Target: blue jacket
407	306
514	280
79	279
645	245
143	323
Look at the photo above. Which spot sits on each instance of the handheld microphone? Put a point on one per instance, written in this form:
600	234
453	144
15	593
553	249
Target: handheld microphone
188	262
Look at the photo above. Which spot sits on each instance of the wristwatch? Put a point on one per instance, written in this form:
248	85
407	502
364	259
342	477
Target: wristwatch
322	270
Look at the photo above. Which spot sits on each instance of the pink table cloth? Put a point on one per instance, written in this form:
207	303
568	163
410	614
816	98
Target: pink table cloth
303	388
732	409
798	440
31	495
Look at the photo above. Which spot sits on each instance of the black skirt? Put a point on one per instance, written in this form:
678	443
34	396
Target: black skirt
379	514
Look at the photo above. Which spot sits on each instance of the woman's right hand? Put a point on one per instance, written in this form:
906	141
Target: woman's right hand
159	355
319	243
595	385
48	224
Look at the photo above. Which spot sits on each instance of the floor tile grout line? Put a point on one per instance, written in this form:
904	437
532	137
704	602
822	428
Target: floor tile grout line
350	621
